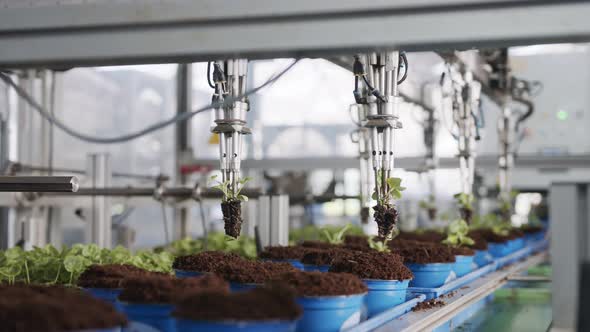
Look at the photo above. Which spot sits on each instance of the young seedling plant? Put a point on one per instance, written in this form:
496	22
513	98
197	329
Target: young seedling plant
429	206
337	237
385	212
231	204
457	234
465	203
379	245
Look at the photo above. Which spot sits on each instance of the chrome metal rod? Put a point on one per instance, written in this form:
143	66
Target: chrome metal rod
38	184
178	192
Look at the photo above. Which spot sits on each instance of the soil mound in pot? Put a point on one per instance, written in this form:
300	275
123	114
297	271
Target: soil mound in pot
109	275
26	308
166	289
422	252
356	241
317	245
424	236
206	261
232	217
280	252
479	242
528	229
385	217
260	304
323	284
373	265
490	236
517	233
462	251
324	257
253	272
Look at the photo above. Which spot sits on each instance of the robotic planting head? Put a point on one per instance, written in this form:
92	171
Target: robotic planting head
229	82
377	98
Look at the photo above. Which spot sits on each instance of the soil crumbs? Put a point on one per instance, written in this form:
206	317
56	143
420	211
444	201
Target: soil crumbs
109	275
207	261
253	272
429	304
280	252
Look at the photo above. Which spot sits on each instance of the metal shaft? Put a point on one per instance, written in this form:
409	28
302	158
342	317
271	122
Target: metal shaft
38	184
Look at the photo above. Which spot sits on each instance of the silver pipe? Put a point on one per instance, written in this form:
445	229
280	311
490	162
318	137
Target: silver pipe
38	184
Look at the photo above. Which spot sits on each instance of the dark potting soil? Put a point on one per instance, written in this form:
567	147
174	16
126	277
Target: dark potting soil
490	236
253	272
479	242
517	233
422	252
322	284
206	261
266	303
423	236
528	229
373	265
432	213
317	245
324	257
467	215
108	276
232	217
385	217
462	251
433	303
25	308
165	289
356	241
280	252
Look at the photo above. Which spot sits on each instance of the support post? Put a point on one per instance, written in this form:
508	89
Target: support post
99	227
183	143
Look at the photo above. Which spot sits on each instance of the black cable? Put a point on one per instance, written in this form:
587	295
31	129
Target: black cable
404	58
374	91
209	75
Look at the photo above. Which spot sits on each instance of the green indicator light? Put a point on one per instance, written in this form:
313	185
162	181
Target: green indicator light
562	115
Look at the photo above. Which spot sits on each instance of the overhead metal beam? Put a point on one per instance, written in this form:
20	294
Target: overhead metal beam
107	32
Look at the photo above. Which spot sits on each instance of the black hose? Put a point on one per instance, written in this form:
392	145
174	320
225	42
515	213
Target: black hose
209	75
404	58
531	109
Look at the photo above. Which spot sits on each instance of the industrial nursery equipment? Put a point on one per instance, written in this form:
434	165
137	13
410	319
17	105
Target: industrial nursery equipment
293	228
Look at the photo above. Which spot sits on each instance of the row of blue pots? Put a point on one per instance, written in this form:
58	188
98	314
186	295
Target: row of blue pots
498	250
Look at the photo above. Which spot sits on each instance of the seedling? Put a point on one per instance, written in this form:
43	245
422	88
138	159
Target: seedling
457	234
464	200
394	191
335	238
228	193
379	245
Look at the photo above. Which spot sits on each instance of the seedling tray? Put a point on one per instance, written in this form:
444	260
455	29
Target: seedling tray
432	293
388	315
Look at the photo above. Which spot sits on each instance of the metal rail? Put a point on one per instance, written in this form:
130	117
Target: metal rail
172	192
461	299
45	184
114	32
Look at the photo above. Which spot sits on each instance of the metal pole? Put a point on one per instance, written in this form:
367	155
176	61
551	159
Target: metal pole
99	228
183	144
38	184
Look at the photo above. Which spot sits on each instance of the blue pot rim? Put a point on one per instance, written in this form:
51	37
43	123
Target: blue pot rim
147	305
315	265
237	322
332	297
432	266
464	257
191	271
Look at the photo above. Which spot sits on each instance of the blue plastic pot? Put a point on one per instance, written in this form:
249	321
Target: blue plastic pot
296	263
186	325
145	317
463	265
320	268
187	274
330	313
498	250
106	294
239	287
518	243
481	258
430	275
384	294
